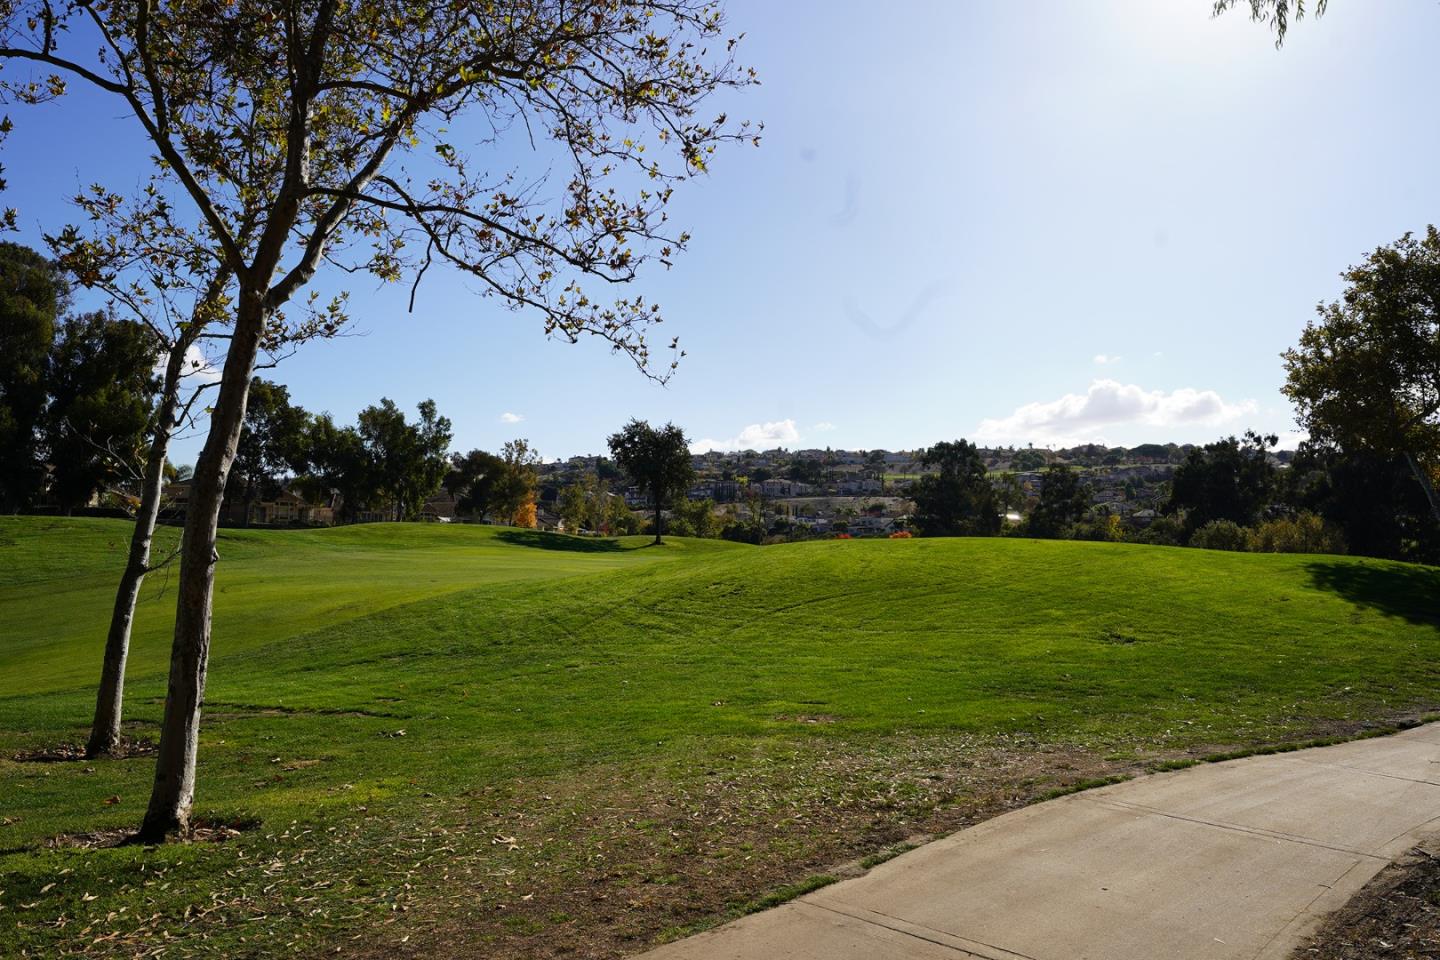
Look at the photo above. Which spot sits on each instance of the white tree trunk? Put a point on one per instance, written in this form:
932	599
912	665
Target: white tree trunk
174	788
105	730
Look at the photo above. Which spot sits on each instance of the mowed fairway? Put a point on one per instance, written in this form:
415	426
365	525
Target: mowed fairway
481	742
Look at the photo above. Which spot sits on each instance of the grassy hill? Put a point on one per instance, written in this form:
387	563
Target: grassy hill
508	742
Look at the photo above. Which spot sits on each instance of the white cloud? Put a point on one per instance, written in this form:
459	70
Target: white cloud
1109	405
824	426
1103	358
757	436
508	417
1290	439
196	371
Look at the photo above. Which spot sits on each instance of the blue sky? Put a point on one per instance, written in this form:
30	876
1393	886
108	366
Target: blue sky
1043	222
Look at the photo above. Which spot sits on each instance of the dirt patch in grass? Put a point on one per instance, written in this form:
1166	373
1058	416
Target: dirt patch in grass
202	830
1395	917
128	748
600	864
614	865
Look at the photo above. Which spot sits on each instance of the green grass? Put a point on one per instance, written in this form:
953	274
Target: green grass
656	721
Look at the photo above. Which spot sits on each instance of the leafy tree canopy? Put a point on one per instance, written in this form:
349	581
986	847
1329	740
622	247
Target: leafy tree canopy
1064	500
1229	479
656	459
1366	374
102	381
958	500
32	296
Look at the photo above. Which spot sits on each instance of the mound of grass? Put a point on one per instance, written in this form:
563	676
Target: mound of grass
492	729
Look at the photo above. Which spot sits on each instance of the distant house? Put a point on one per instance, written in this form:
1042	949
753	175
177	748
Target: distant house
859	487
780	487
439	508
871	526
286	508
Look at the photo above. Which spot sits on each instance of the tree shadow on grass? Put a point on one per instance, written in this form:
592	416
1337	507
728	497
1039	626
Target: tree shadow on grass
1409	592
539	539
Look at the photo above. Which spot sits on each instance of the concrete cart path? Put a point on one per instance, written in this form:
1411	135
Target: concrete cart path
1219	861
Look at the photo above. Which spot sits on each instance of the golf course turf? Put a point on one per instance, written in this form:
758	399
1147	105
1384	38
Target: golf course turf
497	742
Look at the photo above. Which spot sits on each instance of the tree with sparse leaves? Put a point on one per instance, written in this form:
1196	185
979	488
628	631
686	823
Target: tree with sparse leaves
294	134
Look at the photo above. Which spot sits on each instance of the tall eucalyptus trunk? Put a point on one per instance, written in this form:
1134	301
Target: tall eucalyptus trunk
105	730
173	791
1423	478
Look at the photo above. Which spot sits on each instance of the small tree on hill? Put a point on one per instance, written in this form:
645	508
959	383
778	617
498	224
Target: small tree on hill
957	500
516	484
1064	501
472	480
656	460
272	444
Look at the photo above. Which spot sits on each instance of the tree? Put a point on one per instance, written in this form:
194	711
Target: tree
1009	492
515	485
1229	480
807	471
32	295
657	460
616	517
581	503
958	500
101	385
407	462
272	445
308	132
429	458
1027	460
471	481
339	466
1064	501
1372	498
171	409
574	507
694	518
1366	375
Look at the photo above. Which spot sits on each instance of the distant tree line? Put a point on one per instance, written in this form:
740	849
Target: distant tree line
384	464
